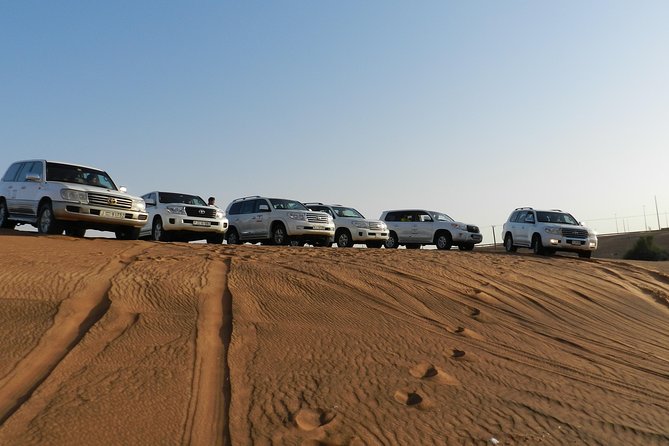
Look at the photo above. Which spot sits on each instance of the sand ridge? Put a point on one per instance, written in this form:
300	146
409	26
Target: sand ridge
126	342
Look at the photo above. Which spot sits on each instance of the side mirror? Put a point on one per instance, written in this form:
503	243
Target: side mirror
123	189
263	208
33	177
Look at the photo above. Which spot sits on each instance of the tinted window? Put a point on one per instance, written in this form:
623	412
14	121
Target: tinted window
346	212
248	207
235	208
171	197
279	203
68	173
556	217
27	168
514	216
392	216
10	175
530	217
423	216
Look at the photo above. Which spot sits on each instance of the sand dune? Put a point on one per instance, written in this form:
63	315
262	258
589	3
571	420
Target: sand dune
124	342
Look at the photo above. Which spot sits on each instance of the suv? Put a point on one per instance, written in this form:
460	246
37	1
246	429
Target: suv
351	226
183	217
417	227
277	221
57	197
546	232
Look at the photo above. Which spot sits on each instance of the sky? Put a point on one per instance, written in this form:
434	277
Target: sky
472	108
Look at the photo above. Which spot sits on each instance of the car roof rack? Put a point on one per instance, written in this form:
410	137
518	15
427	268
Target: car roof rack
244	198
314	202
526	208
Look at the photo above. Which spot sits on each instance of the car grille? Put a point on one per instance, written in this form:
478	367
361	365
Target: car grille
472	228
109	201
317	218
201	212
375	225
574	233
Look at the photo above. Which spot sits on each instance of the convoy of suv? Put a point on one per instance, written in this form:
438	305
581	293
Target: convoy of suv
58	197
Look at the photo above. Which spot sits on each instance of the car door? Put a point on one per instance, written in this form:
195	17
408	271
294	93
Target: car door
246	219
423	229
405	227
29	188
11	185
151	200
261	220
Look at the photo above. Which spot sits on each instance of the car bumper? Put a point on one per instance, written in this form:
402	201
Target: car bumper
368	235
467	237
303	228
569	244
94	216
191	224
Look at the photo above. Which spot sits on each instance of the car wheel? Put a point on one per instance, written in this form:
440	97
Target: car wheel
413	245
374	244
4	217
279	236
508	243
158	232
466	247
344	239
585	254
46	221
392	241
443	240
215	239
75	232
127	233
232	237
537	246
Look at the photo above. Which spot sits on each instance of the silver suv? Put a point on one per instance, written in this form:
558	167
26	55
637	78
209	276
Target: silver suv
417	227
182	217
352	227
277	221
546	232
57	197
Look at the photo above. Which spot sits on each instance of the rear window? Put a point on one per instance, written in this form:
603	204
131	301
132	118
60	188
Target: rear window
10	175
235	208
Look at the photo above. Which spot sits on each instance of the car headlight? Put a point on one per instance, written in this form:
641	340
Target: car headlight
76	196
140	205
180	210
298	216
553	230
360	224
220	215
458	226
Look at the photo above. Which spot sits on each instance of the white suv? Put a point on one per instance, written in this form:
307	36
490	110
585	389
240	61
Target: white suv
417	227
277	221
57	197
547	231
183	217
351	226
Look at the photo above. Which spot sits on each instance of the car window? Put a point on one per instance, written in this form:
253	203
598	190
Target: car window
424	217
68	173
440	216
248	207
235	208
341	211
279	203
529	218
408	217
171	197
514	217
392	216
556	217
10	175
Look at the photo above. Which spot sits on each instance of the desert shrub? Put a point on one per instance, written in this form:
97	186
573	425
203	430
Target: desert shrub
644	249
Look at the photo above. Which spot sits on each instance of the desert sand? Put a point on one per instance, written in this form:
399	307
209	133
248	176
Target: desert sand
131	342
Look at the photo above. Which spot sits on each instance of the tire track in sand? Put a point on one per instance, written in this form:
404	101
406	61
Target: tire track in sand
207	421
75	316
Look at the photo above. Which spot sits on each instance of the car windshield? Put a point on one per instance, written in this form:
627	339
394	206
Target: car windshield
279	203
67	173
347	212
556	217
438	216
171	197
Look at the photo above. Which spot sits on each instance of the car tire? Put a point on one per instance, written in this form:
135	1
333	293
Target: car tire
4	216
215	239
344	239
537	246
75	232
279	235
508	243
232	237
158	232
443	240
374	244
466	247
391	242
585	254
46	221
127	233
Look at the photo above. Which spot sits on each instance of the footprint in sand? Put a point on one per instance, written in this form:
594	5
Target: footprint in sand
427	371
458	353
408	398
309	419
469	333
474	312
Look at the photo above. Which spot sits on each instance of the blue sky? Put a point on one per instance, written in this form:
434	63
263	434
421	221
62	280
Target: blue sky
468	107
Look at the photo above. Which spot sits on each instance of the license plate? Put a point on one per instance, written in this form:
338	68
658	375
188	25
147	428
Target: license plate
319	228
112	214
201	223
576	242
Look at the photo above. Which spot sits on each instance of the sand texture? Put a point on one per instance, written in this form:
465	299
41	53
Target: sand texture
131	342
